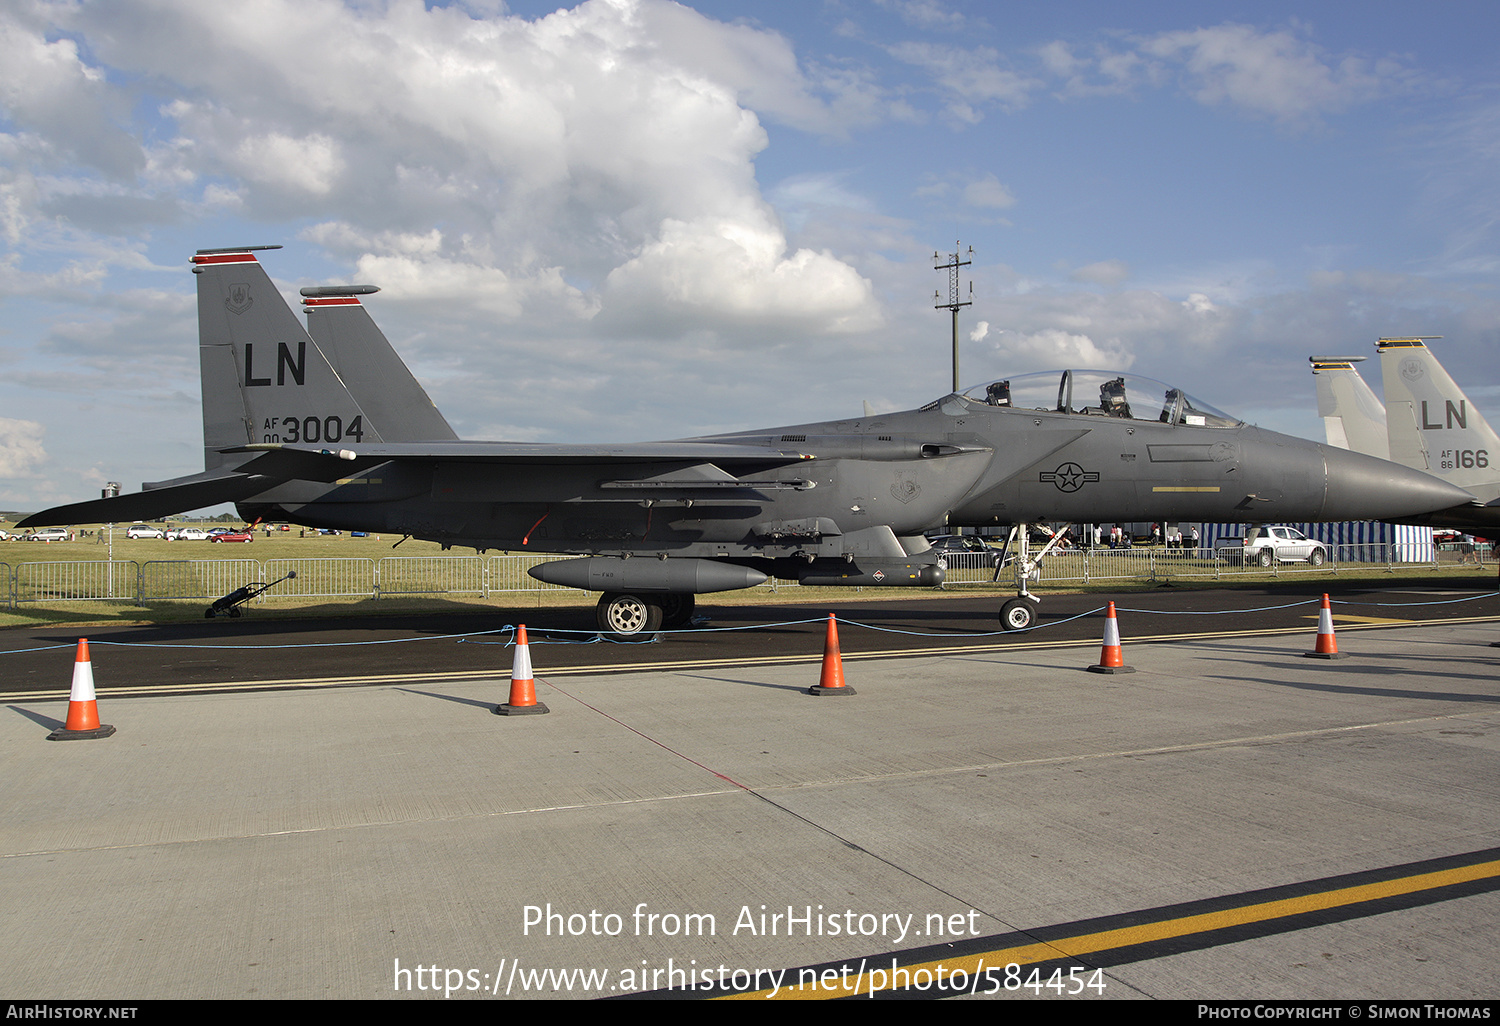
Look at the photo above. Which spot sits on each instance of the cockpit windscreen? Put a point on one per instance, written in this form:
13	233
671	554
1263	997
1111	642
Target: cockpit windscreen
1097	393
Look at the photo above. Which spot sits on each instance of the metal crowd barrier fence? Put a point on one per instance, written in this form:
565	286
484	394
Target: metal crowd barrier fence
70	581
508	573
1160	563
195	578
433	575
348	577
124	580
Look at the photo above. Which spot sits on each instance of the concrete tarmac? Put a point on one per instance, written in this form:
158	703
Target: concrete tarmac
709	829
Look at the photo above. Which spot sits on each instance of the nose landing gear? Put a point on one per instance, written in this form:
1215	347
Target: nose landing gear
1019	613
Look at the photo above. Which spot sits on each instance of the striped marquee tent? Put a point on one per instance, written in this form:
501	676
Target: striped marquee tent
1411	544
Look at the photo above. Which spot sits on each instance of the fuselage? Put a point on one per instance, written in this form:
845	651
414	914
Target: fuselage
859	487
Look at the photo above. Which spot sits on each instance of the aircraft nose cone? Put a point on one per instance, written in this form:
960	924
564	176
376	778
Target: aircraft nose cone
1365	488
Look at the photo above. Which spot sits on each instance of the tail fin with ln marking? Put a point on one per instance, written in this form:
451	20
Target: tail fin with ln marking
264	379
1431	424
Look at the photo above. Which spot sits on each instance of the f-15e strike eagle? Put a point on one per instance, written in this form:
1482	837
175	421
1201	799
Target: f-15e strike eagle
330	429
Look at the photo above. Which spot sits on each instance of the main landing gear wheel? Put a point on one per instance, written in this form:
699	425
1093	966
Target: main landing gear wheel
1019	613
677	610
627	615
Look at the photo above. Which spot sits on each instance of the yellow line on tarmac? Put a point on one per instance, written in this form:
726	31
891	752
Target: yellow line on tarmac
995	962
1351	618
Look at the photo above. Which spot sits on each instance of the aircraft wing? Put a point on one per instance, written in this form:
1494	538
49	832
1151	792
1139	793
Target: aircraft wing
524	453
481	470
690	466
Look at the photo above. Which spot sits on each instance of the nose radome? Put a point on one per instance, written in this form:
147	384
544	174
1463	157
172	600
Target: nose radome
1366	488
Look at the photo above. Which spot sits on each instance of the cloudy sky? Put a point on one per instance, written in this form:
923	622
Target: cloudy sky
634	219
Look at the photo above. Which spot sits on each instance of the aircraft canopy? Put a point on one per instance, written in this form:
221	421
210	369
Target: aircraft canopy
1098	393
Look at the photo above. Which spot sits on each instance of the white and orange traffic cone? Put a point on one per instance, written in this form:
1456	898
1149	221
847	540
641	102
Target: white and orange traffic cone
1327	646
83	710
522	685
1111	657
832	680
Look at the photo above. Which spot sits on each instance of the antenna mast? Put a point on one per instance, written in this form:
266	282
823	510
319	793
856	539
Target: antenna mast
953	304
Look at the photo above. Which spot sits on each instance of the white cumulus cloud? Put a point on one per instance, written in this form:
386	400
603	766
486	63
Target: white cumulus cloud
1282	75
1053	347
21	451
596	154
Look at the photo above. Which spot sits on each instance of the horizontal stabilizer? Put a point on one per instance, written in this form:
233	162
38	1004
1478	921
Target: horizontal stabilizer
154	503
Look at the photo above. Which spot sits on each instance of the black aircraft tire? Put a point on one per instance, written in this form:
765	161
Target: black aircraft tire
1018	614
677	610
625	615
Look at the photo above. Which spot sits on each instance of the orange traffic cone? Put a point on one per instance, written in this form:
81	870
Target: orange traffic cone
83	710
1111	658
832	680
522	686
1327	646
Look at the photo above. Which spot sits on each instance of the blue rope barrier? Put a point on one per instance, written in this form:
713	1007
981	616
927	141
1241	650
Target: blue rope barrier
595	637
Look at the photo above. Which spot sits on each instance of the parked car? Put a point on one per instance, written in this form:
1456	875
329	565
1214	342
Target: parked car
49	534
187	534
144	531
1264	546
232	536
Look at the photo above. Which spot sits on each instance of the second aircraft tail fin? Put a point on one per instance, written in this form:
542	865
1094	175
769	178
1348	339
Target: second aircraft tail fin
1352	417
1431	423
369	367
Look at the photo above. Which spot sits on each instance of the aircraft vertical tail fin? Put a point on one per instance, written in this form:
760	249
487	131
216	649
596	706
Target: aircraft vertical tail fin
362	355
1352	417
264	379
1431	423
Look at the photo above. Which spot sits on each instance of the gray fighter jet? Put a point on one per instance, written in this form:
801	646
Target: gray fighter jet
330	430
